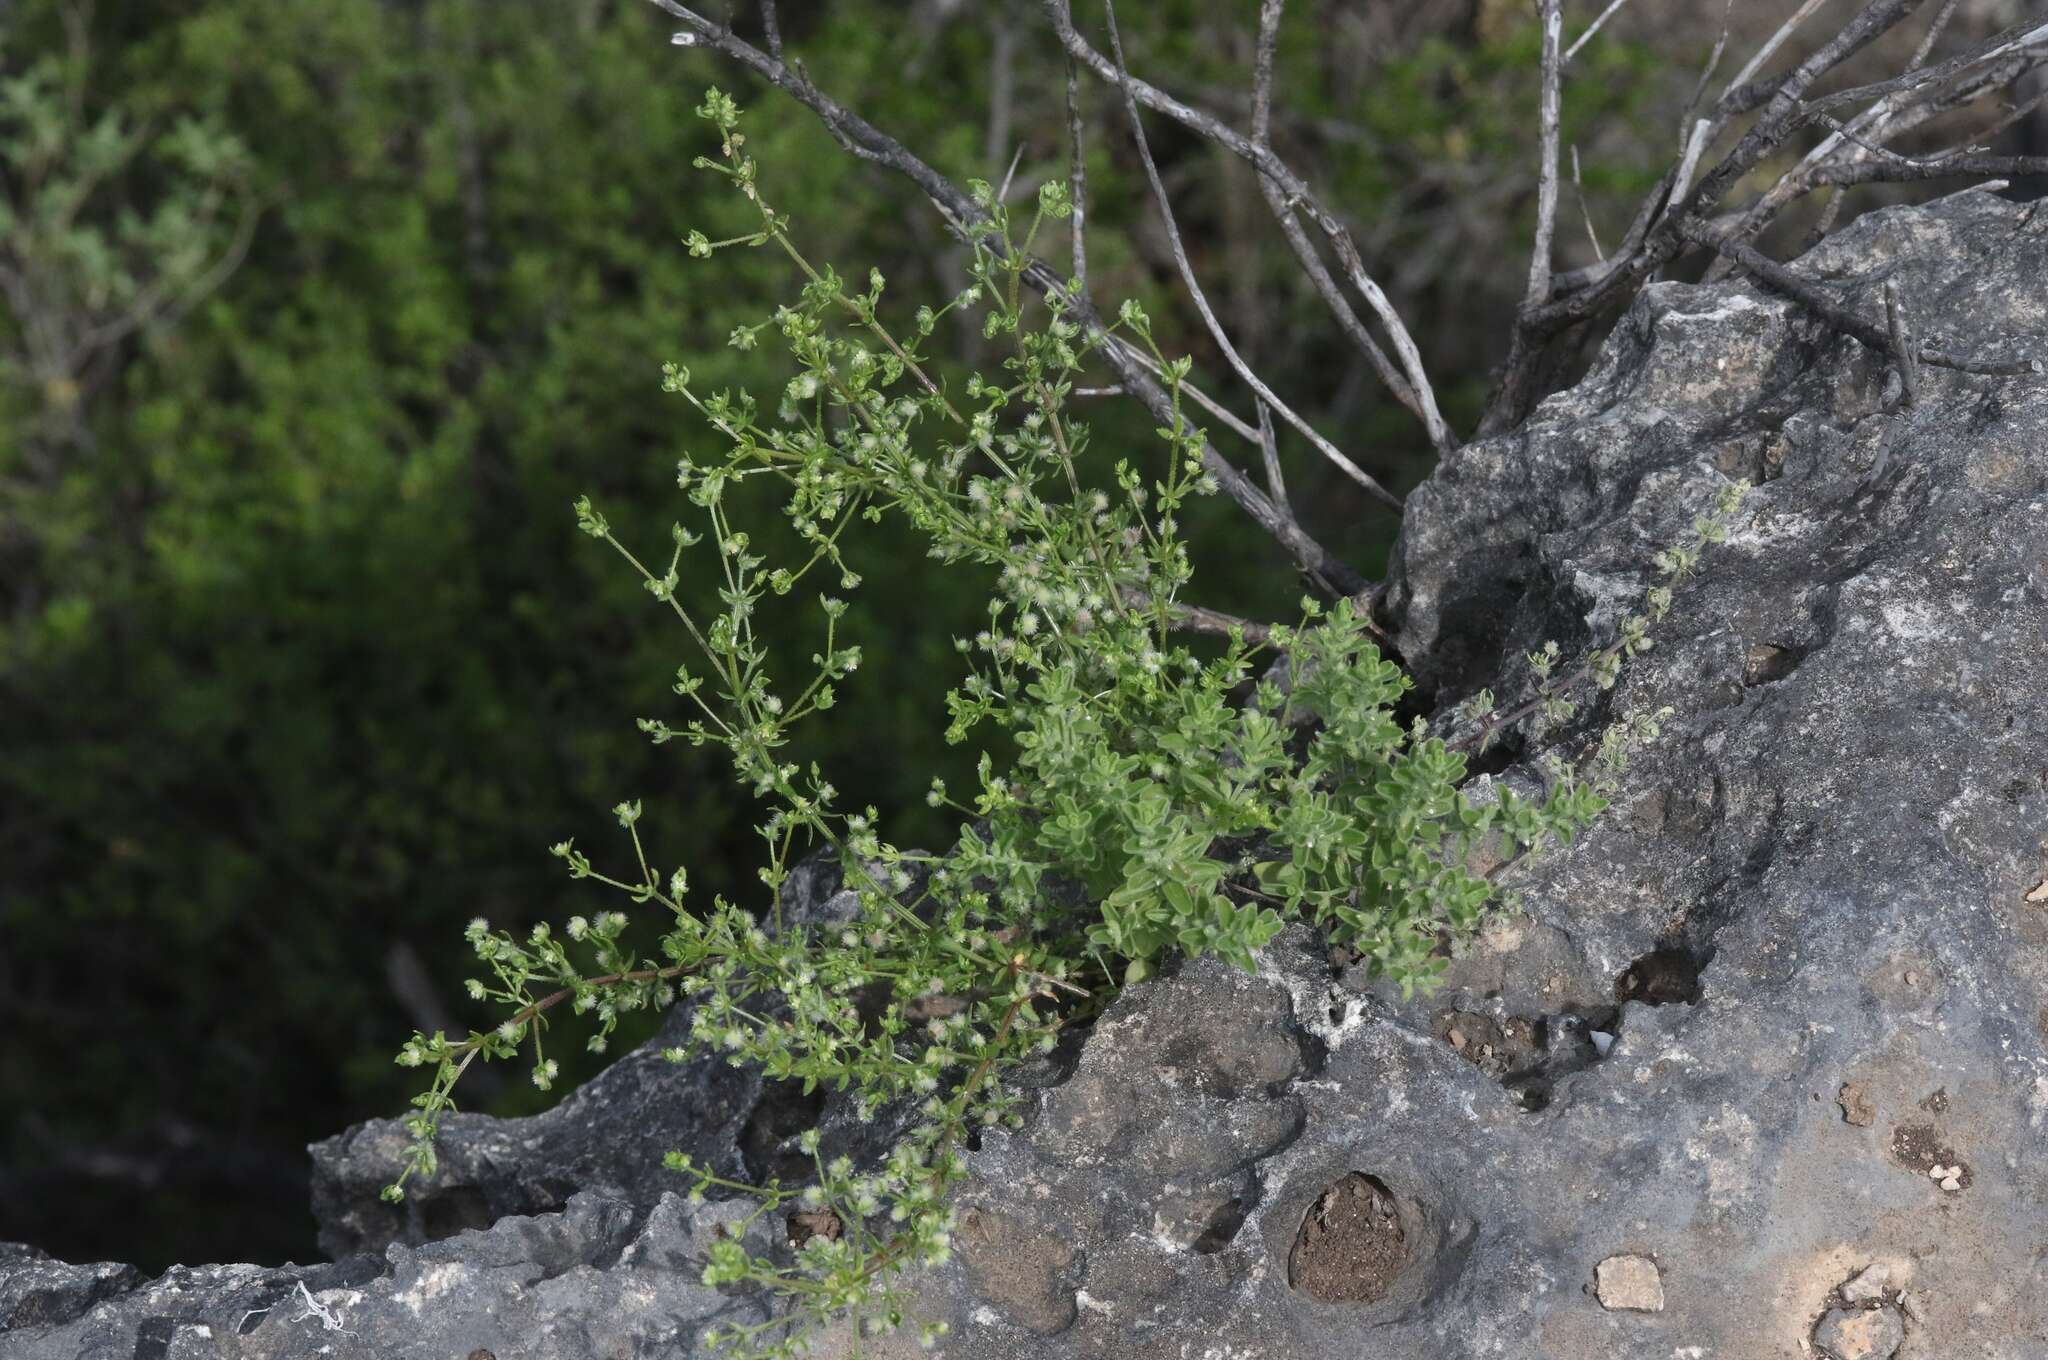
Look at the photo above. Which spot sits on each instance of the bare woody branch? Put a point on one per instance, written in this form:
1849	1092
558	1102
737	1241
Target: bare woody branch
1276	485
1295	193
1592	29
1326	286
1077	179
1934	32
1707	199
1550	13
1193	618
1585	210
1900	106
2018	41
1243	370
1262	71
1748	97
1763	54
1223	414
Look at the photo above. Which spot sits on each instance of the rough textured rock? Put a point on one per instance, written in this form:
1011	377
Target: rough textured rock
1741	1024
599	1278
36	1291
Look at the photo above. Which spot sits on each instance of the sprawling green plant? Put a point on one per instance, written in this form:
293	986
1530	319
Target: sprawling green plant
271	576
1158	801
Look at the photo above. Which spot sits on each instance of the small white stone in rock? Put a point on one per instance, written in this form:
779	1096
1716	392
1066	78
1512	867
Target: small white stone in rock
1867	1284
1951	1183
1629	1282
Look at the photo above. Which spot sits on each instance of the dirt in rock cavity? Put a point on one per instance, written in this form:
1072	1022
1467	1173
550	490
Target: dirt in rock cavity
1351	1246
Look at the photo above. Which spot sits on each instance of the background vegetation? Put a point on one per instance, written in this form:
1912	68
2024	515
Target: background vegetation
302	662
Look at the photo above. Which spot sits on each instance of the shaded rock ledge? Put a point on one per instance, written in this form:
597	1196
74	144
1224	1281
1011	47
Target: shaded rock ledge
1768	1042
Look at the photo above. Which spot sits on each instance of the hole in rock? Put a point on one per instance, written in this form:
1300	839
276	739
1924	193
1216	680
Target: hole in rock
1529	1054
805	1224
459	1208
1222	1226
1766	662
783	1112
1919	1148
1661	977
1498	757
1352	1246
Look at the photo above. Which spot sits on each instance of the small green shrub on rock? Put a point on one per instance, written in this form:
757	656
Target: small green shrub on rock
1158	801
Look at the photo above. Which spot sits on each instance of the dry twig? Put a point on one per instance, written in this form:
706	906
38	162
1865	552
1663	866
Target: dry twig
1549	13
1688	209
1594	28
1294	192
1200	299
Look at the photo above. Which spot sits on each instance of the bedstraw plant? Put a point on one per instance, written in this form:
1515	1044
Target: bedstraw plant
1164	798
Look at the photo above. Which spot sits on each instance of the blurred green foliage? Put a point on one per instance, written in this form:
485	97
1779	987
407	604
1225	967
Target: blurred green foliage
302	662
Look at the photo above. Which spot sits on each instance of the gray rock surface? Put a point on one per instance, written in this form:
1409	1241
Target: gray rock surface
1804	930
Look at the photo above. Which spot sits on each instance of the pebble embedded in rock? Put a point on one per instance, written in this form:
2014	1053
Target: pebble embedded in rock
1860	1333
1632	1283
1868	1284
